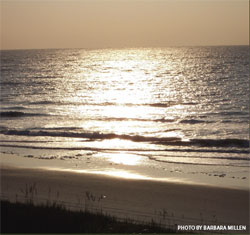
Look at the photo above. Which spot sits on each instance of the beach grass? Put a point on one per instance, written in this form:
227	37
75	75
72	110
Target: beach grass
17	217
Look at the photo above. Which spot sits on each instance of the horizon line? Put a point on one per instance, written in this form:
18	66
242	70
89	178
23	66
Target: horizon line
119	47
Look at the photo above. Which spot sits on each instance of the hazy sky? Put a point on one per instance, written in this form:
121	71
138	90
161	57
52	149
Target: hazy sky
122	23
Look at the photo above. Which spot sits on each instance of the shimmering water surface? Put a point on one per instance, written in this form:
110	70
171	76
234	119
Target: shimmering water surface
163	106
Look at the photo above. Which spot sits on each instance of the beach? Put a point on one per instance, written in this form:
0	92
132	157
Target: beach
168	202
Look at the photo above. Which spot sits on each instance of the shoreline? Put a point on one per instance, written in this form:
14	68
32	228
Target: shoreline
214	176
169	202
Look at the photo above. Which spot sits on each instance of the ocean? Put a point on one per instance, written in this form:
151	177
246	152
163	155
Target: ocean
144	110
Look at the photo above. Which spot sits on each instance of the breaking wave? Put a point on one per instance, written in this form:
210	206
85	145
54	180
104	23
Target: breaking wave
169	141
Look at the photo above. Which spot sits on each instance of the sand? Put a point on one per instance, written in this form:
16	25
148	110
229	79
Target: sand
165	202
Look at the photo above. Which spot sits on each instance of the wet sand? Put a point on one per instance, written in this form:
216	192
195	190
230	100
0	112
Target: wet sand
166	202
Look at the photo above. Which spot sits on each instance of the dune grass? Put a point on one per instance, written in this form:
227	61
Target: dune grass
54	218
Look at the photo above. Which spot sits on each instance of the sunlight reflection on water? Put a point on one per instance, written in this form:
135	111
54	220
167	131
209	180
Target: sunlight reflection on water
125	158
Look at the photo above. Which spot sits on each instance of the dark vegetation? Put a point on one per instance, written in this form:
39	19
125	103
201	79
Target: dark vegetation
53	218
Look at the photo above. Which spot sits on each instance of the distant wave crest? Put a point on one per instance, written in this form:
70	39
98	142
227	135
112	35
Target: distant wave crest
16	114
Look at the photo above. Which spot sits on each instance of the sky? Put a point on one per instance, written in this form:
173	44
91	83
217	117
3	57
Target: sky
30	24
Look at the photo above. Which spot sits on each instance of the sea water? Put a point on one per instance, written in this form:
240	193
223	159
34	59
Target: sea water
168	109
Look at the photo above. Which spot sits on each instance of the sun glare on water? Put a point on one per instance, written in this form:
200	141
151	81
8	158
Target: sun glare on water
127	93
125	159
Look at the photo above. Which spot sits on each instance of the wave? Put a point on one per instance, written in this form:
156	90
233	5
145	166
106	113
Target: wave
161	105
158	105
201	157
189	103
193	121
200	163
174	150
234	113
186	150
134	119
230	113
92	136
14	107
140	152
42	102
41	77
3	83
235	161
242	143
236	121
14	114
